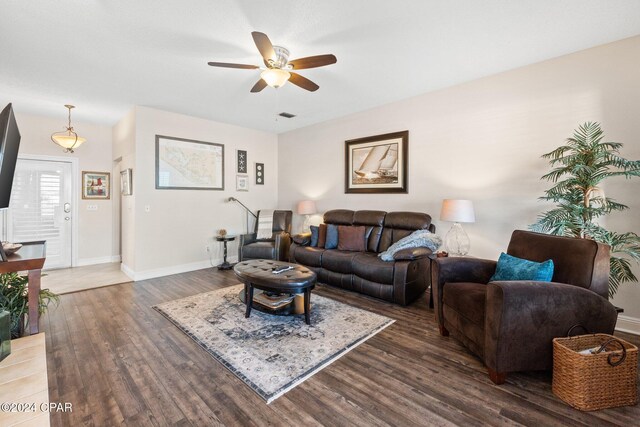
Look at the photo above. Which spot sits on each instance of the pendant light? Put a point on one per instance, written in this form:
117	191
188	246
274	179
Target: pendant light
68	139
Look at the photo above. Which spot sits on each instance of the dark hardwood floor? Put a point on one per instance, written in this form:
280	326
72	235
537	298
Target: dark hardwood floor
119	362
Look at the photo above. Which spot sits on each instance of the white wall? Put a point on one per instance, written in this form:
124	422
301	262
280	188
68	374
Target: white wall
174	234
483	141
94	227
124	157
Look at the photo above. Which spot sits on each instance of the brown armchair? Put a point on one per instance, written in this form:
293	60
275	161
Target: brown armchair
277	247
510	324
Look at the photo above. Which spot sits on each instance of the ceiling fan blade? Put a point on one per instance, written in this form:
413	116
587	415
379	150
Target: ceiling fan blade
313	61
264	45
303	82
228	65
260	84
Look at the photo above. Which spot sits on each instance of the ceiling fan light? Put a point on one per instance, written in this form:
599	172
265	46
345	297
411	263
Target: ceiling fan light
275	77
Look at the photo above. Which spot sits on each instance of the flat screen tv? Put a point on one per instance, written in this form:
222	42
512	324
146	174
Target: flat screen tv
9	144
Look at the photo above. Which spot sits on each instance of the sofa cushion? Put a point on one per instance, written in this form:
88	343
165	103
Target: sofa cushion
338	261
368	266
259	250
314	235
467	299
351	238
309	256
332	237
322	235
510	267
339	217
373	221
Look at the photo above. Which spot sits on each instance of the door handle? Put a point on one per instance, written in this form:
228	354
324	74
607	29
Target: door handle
67	208
66	218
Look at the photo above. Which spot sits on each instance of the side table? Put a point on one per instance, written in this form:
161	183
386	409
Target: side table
225	264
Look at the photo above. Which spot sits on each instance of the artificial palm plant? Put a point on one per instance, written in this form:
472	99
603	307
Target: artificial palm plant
580	167
14	298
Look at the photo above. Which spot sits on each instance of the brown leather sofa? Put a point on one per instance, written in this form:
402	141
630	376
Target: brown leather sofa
510	324
277	247
400	281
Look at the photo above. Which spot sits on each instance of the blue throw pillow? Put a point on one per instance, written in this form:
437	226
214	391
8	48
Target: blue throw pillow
332	237
314	235
513	268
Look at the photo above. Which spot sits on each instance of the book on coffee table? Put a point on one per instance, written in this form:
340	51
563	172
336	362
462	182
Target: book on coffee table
273	302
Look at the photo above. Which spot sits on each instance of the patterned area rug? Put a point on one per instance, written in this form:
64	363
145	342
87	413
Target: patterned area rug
271	354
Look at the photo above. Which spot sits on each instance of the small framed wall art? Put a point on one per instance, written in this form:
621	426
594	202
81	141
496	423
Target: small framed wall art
242	182
126	188
377	164
241	160
259	173
96	185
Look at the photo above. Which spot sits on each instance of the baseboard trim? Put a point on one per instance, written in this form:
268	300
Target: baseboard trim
99	260
628	324
174	269
128	271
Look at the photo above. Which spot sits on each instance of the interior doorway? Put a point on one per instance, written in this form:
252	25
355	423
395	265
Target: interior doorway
43	207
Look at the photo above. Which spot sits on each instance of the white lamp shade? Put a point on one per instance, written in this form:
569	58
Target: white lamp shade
68	141
456	210
306	207
275	77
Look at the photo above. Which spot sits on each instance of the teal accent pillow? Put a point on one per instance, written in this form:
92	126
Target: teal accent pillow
332	237
514	268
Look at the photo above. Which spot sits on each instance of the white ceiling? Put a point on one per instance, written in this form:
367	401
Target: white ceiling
107	55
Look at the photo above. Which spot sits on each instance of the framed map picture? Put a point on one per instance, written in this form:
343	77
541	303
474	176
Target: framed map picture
186	164
96	185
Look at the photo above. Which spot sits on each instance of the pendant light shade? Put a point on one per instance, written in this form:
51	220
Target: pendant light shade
68	139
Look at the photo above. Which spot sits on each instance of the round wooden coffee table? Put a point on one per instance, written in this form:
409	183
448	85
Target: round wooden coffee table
259	274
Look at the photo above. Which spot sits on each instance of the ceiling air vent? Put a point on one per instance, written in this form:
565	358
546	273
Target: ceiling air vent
287	115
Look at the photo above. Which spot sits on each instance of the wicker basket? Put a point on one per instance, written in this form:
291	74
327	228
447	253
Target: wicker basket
595	381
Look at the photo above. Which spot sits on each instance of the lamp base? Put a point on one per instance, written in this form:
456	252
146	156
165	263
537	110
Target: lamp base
456	241
306	225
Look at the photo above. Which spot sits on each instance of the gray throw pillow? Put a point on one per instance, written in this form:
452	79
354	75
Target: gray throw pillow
332	237
314	235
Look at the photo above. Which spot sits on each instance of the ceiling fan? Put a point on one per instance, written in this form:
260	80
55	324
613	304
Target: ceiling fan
278	68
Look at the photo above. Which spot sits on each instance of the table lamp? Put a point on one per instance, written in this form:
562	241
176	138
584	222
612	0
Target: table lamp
455	210
306	208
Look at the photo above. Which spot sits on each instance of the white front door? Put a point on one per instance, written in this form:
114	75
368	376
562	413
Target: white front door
41	208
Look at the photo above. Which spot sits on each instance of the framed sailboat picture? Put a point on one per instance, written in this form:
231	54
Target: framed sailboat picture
377	164
96	185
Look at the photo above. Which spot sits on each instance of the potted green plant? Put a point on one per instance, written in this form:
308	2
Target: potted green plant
579	169
15	299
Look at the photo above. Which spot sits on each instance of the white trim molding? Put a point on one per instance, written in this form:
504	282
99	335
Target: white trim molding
174	269
628	324
99	260
128	271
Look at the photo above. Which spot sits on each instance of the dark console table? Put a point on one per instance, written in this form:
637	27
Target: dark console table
258	274
29	258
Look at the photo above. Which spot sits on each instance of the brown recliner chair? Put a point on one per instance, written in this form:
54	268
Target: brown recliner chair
277	247
510	324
